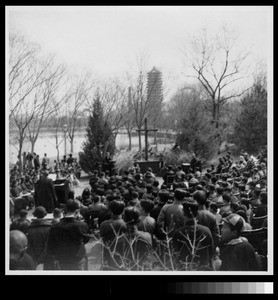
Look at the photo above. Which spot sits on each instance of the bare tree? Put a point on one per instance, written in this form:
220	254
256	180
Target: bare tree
46	92
144	102
26	73
114	102
58	119
129	123
79	93
218	67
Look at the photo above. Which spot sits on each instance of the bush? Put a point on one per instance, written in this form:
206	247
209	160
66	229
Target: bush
176	158
124	160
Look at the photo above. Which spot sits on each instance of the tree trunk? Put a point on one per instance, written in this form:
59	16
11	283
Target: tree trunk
213	110
33	142
217	114
19	154
58	154
165	138
155	139
71	145
129	141
217	125
140	143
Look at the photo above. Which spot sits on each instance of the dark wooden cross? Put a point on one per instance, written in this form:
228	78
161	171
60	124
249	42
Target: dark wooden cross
146	130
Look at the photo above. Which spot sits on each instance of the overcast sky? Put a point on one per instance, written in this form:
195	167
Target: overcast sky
107	40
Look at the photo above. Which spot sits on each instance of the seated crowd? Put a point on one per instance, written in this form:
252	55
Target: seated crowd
196	221
22	181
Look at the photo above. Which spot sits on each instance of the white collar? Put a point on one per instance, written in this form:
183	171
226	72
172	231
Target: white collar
237	241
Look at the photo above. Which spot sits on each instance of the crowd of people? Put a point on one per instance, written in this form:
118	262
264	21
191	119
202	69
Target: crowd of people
24	178
198	220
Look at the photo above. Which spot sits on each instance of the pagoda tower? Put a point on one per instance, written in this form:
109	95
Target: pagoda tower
155	97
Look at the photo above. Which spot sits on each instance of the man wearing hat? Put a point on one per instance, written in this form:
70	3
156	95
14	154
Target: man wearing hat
45	194
171	216
237	254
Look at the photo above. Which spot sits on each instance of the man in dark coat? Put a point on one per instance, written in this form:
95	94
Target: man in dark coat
37	236
237	254
67	239
45	194
193	233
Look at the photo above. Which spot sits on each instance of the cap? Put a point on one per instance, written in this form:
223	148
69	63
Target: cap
180	194
236	221
23	213
40	212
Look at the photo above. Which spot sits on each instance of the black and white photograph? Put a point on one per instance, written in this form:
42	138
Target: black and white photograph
139	140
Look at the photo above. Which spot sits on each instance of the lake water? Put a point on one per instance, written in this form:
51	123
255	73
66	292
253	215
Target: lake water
46	144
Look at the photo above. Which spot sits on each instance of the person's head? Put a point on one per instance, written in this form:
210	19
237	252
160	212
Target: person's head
246	202
14	183
27	178
232	227
207	174
146	205
213	207
96	199
156	183
252	185
211	188
108	200
242	213
226	199
200	197
234	207
71	194
244	180
224	185
86	193
149	189
131	215
219	191
40	212
163	187
263	197
18	244
23	213
57	213
263	183
72	207
199	187
214	180
134	195
257	193
163	196
117	207
179	194
190	208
